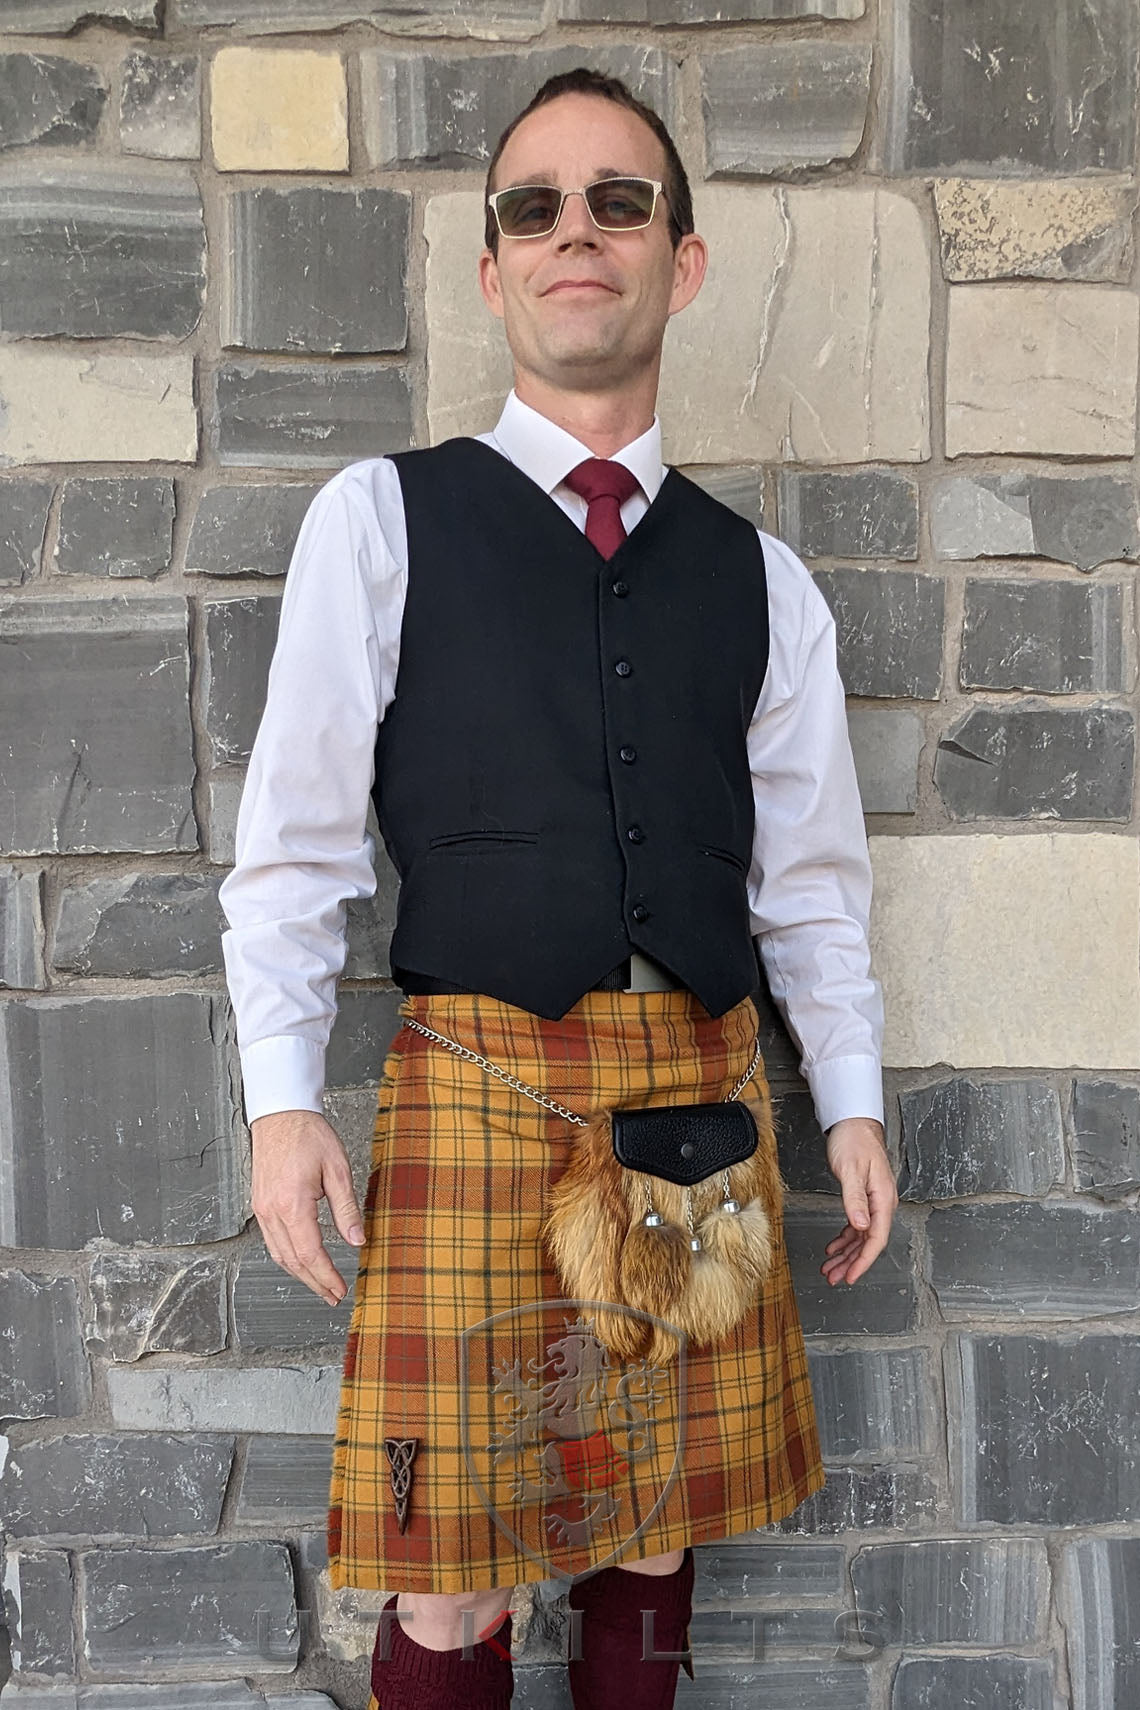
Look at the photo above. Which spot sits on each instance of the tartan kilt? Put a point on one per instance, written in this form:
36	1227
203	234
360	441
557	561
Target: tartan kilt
538	1454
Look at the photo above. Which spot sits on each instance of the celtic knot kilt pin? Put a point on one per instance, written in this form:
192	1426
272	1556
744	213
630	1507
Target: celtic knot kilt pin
537	1454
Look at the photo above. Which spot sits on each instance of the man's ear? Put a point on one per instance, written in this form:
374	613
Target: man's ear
489	283
690	261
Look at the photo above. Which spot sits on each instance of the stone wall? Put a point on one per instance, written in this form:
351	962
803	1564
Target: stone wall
236	252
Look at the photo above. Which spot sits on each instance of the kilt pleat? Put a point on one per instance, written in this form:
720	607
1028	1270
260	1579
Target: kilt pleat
539	1455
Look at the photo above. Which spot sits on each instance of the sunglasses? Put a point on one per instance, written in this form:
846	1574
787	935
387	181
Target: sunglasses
614	204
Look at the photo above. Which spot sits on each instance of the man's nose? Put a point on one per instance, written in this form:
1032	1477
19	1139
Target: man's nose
575	224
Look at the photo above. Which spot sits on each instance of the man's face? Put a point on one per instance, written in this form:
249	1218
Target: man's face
586	309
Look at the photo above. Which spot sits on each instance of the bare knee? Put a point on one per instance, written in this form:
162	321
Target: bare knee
437	1619
657	1564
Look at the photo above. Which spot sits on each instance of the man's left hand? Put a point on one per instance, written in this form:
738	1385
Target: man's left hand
857	1158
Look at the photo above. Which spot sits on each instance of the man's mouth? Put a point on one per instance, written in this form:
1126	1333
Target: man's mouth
576	285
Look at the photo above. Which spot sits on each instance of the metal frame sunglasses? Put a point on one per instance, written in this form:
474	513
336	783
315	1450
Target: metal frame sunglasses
509	206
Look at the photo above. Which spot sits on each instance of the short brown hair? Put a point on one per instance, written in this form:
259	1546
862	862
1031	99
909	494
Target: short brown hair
584	81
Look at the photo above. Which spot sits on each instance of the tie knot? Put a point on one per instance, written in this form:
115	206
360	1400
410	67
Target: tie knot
601	478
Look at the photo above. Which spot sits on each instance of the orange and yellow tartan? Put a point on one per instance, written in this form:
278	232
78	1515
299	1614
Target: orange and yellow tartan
538	1454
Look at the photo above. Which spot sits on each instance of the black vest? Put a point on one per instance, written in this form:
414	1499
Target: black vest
563	773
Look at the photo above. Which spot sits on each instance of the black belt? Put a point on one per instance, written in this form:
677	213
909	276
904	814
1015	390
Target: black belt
419	985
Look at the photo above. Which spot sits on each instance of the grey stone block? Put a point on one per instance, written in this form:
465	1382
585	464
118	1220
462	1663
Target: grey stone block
285	1476
1039	1261
228	1608
45	99
248	530
776	106
781	1058
366	1023
200	1695
24	507
973	1683
1086	520
102	1485
116	526
101	254
1045	1429
1002	90
506	20
801	1142
740	487
1033	762
1039	229
58	17
889	627
240	637
748	1566
1098	1599
705	11
864	1499
740	1637
869	513
144	1303
43	1369
38	1595
1060	638
950	1591
160	109
321	415
21	929
294	1400
884	1302
963	1137
275	1310
874	1404
224	794
788	1685
1106	1137
885	744
437	110
368	928
316	269
141	926
71	783
120	1123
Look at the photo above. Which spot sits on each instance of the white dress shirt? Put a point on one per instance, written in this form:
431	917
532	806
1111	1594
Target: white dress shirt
302	848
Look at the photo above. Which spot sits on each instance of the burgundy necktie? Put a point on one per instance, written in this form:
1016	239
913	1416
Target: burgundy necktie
605	486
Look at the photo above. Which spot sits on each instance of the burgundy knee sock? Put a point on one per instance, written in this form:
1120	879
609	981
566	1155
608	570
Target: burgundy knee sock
411	1677
613	1673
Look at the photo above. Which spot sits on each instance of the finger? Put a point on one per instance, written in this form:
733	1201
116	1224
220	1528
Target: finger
341	1195
298	1249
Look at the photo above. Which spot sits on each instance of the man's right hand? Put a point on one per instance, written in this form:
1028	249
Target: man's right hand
298	1159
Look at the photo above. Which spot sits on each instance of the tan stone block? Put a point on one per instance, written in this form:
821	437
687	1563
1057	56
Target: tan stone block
61	405
1008	952
808	341
1042	369
1046	230
279	110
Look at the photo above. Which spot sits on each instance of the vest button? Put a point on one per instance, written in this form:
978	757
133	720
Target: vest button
628	754
688	1149
639	912
621	589
635	834
623	668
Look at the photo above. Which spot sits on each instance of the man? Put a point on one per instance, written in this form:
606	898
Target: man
602	756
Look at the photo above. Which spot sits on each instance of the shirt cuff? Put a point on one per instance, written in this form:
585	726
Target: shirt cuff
284	1072
846	1086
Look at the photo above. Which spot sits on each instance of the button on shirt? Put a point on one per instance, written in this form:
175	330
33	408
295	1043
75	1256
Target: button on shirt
303	849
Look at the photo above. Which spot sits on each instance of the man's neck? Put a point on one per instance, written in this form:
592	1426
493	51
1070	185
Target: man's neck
604	421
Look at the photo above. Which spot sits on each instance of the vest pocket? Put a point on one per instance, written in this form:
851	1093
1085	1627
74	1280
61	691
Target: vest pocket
477	839
725	855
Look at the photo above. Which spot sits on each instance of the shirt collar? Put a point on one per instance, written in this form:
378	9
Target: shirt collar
547	453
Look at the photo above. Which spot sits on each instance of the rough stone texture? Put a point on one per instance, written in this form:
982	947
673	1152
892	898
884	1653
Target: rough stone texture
24	506
205	1695
1098	1600
43	1370
973	1683
963	1137
884	1306
886	743
889	626
140	926
1106	1137
862	1499
316	269
741	488
226	1608
874	1404
366	1023
155	1486
58	406
38	1589
105	253
247	530
279	110
1060	638
1034	1261
285	1476
1046	1430
21	929
298	1400
73	671
705	11
869	513
319	415
48	100
41	17
224	794
802	1148
945	1591
1038	762
145	1304
240	637
160	109
826	364
751	1566
115	526
435	110
1043	370
1087	520
507	20
774	107
799	1685
275	1310
973	937
1001	89
1047	230
120	1124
